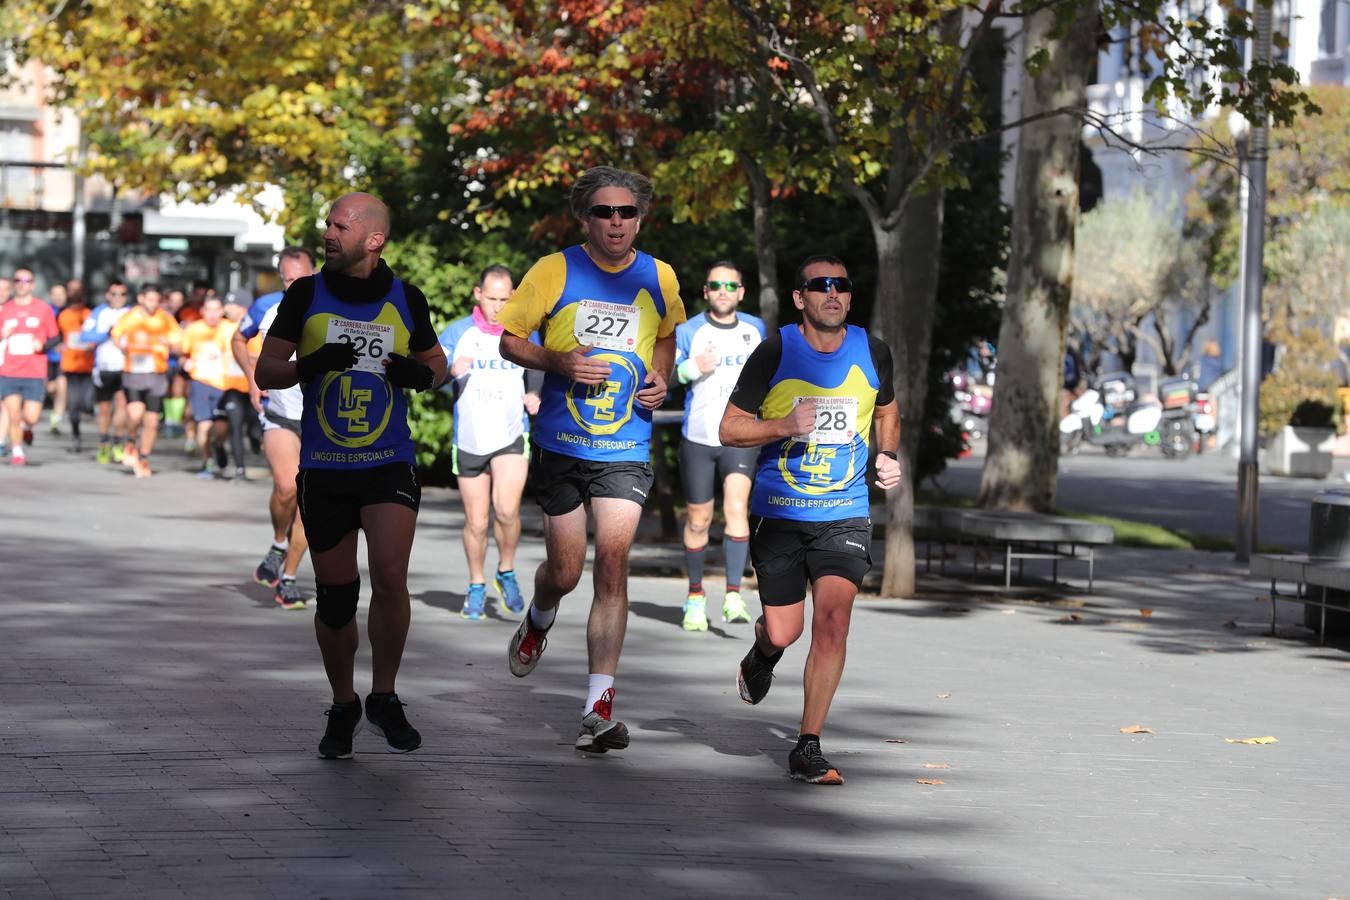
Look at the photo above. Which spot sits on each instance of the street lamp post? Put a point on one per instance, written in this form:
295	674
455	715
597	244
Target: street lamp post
1248	505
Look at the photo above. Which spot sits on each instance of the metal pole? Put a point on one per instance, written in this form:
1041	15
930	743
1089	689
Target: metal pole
77	212
1248	494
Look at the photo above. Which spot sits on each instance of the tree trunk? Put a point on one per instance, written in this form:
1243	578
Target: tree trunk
907	275
1023	456
766	246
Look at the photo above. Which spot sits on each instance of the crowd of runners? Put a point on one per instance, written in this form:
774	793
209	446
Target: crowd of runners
555	377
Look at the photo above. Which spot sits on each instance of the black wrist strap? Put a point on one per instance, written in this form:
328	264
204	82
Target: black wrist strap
890	453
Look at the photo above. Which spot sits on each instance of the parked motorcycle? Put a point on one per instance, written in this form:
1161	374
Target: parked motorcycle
1110	416
971	403
1177	429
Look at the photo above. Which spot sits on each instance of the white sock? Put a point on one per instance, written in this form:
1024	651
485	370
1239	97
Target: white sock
542	618
598	685
282	545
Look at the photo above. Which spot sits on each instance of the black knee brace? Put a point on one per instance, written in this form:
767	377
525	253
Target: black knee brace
336	603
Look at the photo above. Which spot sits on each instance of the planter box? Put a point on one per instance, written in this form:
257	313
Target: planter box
1301	452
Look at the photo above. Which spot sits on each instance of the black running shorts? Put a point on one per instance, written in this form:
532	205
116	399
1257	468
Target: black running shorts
471	465
789	555
566	482
107	385
702	467
331	500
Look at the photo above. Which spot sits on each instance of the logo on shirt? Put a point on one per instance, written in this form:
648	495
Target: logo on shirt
606	407
816	468
354	408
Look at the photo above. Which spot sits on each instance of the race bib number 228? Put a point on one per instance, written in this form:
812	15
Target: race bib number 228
373	342
836	420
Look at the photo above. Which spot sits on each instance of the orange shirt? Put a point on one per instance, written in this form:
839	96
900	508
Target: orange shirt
76	357
213	363
146	340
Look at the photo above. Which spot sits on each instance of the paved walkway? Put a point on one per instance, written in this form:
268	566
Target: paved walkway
161	716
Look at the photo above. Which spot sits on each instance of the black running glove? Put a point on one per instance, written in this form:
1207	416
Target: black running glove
332	357
408	373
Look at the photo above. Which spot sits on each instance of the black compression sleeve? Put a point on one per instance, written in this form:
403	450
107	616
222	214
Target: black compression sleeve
423	336
753	384
290	320
881	359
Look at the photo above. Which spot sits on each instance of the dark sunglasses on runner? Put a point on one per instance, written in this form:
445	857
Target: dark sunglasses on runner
601	211
728	286
842	284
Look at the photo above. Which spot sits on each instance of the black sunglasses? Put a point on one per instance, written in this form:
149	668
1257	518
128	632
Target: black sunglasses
842	284
600	211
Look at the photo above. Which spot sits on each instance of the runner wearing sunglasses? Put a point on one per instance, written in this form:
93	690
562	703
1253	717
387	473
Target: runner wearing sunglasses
610	313
710	351
812	397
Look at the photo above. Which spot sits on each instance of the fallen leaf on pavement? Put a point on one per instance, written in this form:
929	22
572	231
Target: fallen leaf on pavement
896	741
945	696
1136	624
1008	612
1137	729
937	765
1145	612
1257	740
929	781
1071	617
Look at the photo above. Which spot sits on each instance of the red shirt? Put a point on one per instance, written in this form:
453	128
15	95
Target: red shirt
24	329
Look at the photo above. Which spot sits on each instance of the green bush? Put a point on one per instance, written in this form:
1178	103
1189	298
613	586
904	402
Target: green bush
1302	389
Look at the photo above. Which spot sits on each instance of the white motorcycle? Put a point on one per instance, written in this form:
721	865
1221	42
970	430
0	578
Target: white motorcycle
1108	416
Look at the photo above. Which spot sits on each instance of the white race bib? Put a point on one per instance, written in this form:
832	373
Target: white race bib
22	344
836	420
73	341
142	363
609	326
372	340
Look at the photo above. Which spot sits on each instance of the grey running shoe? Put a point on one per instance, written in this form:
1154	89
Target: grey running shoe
344	720
269	570
598	732
288	594
754	675
807	763
386	718
525	648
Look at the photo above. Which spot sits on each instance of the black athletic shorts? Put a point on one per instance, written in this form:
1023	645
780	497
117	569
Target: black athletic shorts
146	388
702	467
232	400
331	500
80	391
566	482
107	385
470	465
789	555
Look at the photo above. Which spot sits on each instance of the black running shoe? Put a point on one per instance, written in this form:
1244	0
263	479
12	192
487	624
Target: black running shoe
344	720
755	675
386	718
807	763
269	570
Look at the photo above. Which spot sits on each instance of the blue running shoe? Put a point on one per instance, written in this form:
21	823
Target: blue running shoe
474	602
508	592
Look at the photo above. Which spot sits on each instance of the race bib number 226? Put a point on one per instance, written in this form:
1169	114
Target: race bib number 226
373	342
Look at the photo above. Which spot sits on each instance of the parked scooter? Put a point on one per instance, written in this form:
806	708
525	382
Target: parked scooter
971	403
1177	430
1110	417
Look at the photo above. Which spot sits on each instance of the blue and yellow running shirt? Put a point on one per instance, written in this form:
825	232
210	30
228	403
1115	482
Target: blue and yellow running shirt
823	476
622	313
355	419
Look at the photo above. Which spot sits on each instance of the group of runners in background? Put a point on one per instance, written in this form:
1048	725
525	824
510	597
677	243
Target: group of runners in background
557	376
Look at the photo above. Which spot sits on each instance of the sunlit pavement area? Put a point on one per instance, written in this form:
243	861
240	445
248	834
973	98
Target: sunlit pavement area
161	717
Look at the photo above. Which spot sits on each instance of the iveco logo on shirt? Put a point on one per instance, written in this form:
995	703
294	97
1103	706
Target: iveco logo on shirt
494	364
737	360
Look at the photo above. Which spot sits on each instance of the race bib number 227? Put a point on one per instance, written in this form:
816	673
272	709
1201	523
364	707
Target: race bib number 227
609	326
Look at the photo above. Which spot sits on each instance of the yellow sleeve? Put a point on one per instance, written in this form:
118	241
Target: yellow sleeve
536	296
670	291
189	340
123	325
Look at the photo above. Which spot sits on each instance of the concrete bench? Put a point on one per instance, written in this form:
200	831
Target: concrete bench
1021	536
1303	572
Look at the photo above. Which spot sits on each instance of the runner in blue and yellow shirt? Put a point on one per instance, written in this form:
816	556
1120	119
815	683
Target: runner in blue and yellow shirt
607	313
812	397
361	337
